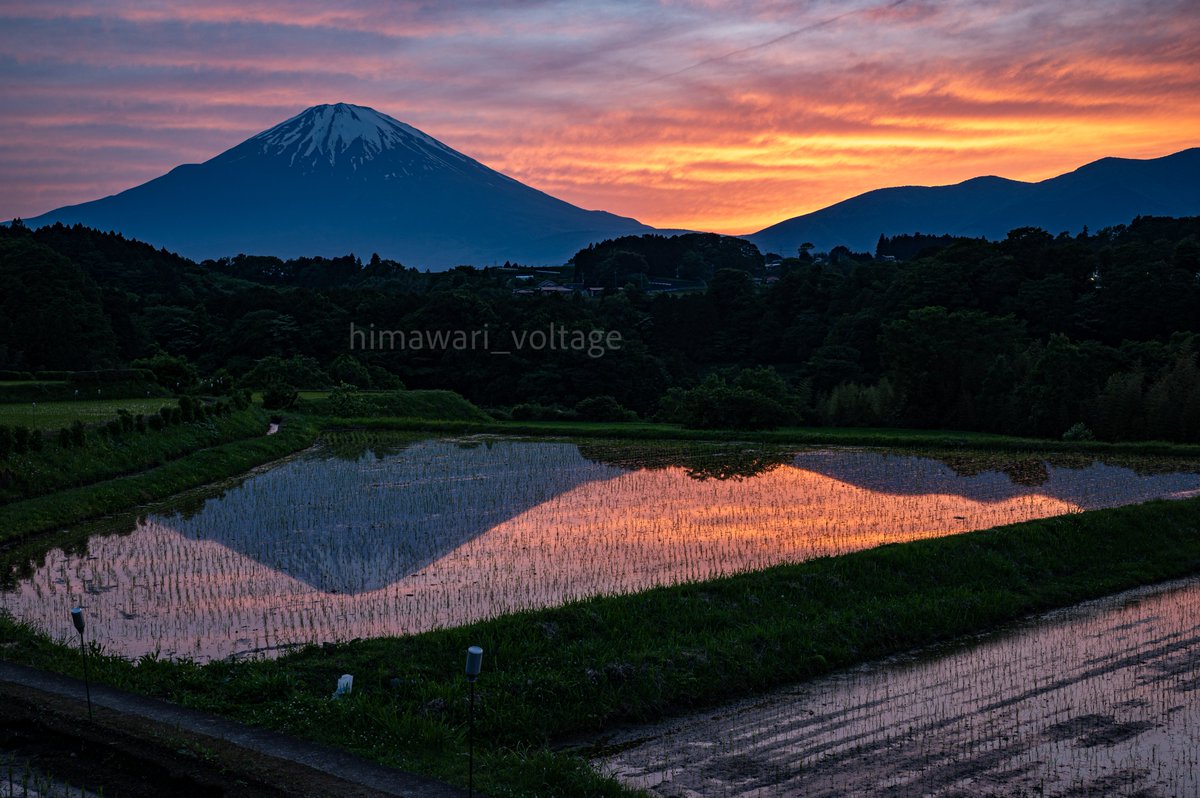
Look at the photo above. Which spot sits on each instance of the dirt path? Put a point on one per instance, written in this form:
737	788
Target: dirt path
1102	699
139	747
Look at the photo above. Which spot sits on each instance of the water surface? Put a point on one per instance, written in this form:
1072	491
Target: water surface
405	537
1095	700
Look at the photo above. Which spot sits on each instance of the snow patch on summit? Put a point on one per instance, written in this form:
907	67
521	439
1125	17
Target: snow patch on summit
327	131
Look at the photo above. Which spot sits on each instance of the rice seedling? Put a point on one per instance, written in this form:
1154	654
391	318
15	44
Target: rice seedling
1097	699
371	537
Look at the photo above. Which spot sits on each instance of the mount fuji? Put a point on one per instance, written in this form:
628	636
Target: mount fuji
345	178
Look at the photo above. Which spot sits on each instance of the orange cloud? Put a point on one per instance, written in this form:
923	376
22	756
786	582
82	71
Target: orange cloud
702	115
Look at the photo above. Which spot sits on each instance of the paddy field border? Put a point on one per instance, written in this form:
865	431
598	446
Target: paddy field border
563	674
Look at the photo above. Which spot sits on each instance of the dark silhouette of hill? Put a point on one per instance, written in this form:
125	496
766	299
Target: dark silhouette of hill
1100	194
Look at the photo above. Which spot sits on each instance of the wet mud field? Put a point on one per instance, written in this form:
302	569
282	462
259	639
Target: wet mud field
1102	699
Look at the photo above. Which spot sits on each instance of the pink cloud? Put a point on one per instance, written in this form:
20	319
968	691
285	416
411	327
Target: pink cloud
712	115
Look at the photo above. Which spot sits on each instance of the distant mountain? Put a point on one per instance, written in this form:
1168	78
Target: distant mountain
1103	193
344	178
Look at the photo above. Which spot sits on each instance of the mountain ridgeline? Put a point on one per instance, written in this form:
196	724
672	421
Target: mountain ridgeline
1103	193
345	178
338	179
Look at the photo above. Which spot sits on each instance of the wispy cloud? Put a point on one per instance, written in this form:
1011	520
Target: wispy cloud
682	113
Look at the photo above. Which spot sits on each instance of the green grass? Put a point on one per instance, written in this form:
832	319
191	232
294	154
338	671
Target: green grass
810	436
193	468
257	395
39	391
553	674
55	415
438	407
103	457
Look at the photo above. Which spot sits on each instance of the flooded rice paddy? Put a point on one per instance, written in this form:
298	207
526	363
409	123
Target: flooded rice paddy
397	536
1096	700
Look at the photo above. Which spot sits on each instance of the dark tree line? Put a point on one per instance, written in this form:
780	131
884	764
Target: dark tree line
1036	334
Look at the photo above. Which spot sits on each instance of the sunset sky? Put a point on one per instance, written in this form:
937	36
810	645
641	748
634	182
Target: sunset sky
724	116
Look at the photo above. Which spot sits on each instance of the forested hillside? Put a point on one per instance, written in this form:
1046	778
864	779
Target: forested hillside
1035	334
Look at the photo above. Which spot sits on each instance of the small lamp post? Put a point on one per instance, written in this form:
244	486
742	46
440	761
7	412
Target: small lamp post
77	619
474	663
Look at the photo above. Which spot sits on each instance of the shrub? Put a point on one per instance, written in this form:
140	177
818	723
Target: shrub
532	411
345	400
346	370
279	396
603	408
172	372
20	440
296	370
78	434
384	380
187	409
716	404
64	438
156	423
220	383
1078	432
854	405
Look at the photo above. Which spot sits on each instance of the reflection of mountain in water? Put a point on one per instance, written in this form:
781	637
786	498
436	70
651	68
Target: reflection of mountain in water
355	526
1098	485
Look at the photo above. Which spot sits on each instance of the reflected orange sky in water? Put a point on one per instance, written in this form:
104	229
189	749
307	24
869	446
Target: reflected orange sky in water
155	589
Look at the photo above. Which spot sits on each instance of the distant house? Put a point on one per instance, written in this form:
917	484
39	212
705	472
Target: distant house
551	287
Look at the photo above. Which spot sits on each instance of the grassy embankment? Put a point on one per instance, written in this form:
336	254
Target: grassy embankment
57	414
552	674
104	456
445	412
55	487
808	436
48	489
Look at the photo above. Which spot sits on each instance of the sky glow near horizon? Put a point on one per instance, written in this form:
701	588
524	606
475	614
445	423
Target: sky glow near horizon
724	116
